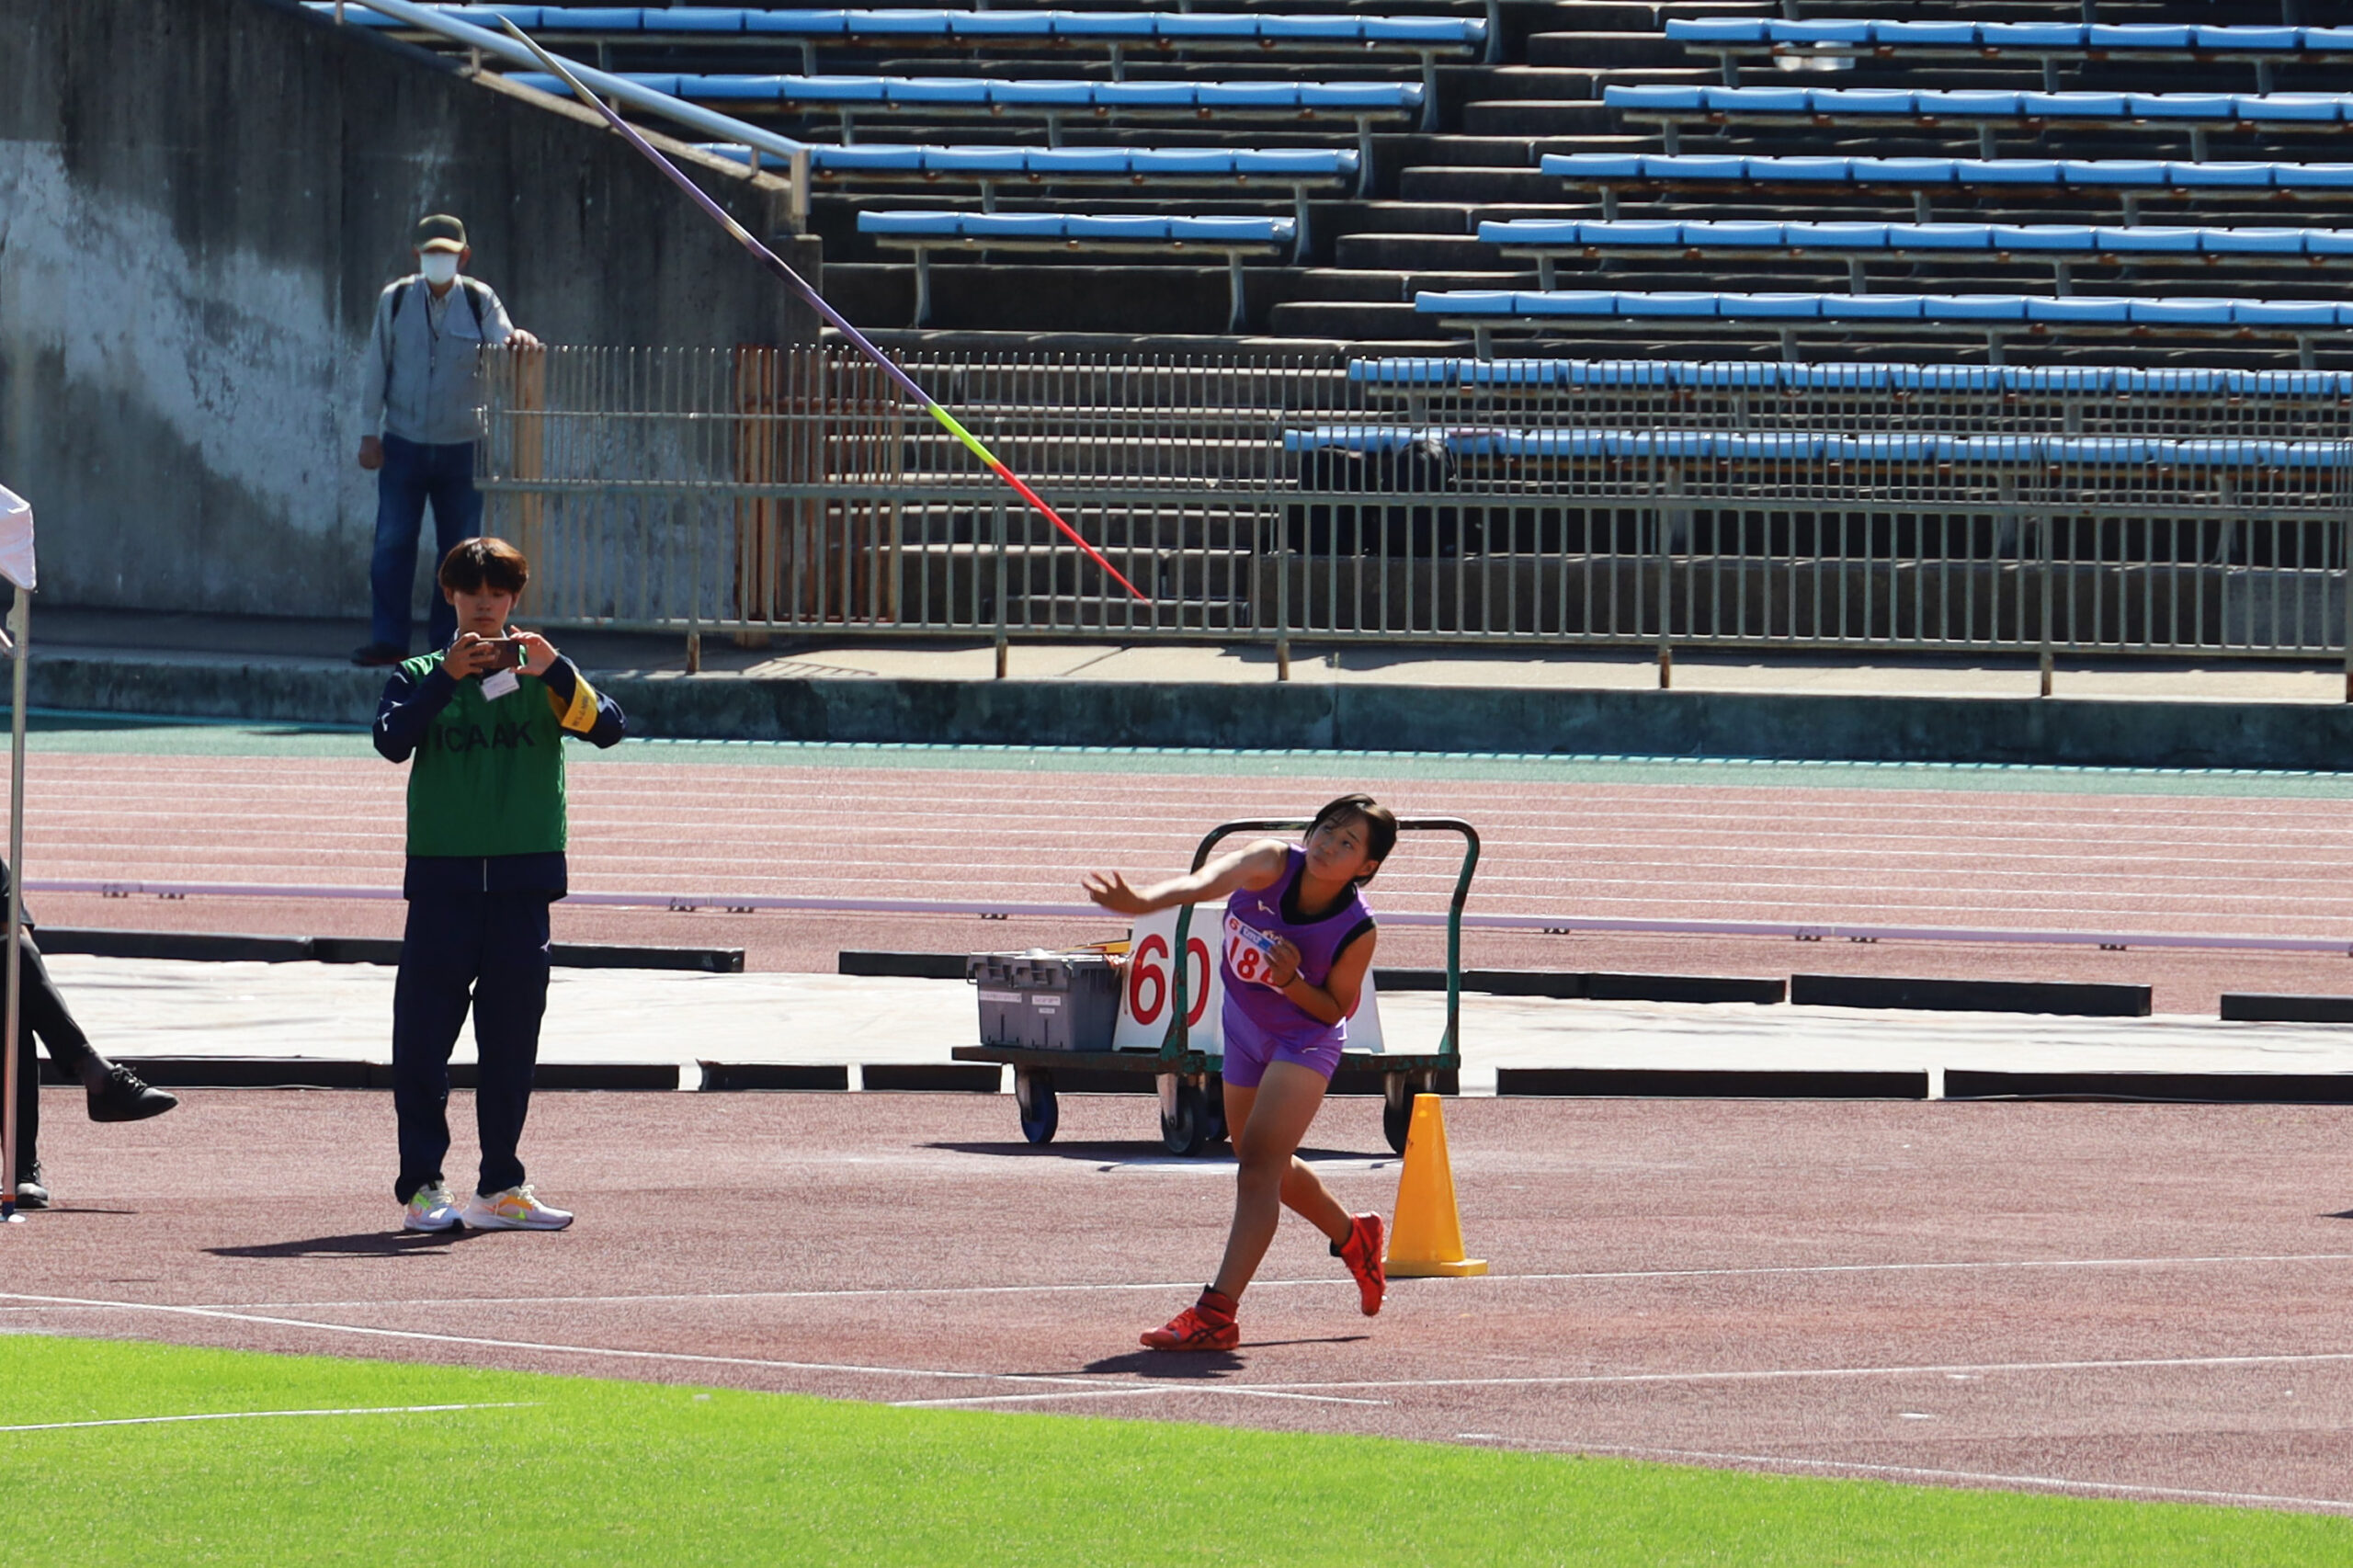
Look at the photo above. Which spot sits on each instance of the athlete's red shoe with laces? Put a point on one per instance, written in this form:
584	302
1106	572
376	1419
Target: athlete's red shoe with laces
1207	1324
1362	1253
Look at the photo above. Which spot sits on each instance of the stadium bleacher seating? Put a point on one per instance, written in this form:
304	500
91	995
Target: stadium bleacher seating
991	169
2132	181
1994	318
1987	111
2089	380
1734	445
2060	246
1477	167
2048	44
1053	102
1117	33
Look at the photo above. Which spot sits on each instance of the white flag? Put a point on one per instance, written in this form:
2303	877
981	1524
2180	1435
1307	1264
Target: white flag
16	537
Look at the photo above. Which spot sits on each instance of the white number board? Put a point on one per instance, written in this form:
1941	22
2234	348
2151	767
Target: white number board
1150	988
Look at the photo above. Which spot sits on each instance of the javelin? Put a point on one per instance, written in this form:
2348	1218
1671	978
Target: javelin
778	265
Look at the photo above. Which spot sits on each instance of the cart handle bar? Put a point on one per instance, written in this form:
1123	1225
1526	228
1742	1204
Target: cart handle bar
1174	1044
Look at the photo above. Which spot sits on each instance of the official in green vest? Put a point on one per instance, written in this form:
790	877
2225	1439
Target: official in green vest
481	725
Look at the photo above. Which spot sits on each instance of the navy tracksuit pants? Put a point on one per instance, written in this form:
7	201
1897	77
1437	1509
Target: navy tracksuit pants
44	1014
489	949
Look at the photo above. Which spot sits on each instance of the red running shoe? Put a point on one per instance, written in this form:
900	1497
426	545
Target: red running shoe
1362	1253
1204	1325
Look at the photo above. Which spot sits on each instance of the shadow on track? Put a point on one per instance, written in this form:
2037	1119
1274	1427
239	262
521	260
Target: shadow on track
1141	1153
362	1243
1160	1365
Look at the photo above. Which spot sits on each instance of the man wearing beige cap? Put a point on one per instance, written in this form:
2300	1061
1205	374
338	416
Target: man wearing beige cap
425	393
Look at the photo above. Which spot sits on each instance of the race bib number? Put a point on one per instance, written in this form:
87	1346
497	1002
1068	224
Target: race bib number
1249	952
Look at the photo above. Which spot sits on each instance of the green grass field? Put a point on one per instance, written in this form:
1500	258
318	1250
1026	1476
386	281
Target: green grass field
571	1470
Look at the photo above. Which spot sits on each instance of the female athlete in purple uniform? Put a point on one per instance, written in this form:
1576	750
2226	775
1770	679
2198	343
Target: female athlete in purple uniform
1298	942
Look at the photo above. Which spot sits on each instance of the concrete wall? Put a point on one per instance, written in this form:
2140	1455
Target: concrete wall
200	201
2072	731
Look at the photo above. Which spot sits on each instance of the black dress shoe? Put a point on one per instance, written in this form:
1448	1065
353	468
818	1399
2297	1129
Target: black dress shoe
31	1193
122	1096
377	655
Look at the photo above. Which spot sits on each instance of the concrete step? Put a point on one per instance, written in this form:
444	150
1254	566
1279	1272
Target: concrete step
1454	251
1390	286
1457	185
1469	152
1585	50
1521	117
1534	82
1641	16
1401	218
1614	141
1089	294
1347	320
1505	212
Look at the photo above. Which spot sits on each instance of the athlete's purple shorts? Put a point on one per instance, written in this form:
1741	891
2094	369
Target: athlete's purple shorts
1248	1050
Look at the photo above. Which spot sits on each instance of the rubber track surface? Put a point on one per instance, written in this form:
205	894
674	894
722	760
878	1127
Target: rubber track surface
2131	1301
2059	860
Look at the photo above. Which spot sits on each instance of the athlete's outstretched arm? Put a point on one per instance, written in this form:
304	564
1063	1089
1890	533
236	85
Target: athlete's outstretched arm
1258	866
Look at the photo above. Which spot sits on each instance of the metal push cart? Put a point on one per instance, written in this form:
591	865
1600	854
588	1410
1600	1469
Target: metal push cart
1192	1109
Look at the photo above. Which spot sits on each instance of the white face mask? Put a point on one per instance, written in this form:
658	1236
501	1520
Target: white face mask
439	267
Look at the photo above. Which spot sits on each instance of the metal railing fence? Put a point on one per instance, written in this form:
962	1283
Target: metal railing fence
1272	498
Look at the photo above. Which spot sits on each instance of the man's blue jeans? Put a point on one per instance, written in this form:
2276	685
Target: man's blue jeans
413	474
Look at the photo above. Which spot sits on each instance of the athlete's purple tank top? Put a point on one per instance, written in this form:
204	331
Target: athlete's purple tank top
1252	919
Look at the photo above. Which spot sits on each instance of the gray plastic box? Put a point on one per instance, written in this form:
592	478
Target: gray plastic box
1047	1001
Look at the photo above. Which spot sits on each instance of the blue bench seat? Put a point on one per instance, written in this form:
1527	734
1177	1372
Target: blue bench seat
1231	238
1053	100
1734	38
2095	381
1186	27
2132	179
1674	106
1299	168
2062	244
1995	316
1818	446
1426	38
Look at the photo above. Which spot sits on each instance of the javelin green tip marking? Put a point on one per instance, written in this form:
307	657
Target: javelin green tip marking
957	430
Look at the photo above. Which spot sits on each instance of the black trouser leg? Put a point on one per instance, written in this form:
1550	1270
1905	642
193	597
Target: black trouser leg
439	952
46	1013
510	998
43	1013
28	1102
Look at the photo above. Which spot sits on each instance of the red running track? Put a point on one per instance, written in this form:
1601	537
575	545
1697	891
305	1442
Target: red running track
2129	1302
1877	856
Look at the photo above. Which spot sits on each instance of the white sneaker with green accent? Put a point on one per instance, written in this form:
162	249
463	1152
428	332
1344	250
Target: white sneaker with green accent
516	1209
431	1208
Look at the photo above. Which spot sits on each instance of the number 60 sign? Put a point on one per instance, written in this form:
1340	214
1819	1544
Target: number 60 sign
1150	991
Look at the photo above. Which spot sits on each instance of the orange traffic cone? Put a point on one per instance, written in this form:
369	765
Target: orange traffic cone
1427	1240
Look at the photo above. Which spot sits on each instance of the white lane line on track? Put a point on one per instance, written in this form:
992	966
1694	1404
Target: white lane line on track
265	1415
1800	1374
1491	1279
688	1358
1922	1473
1123	1394
1989	1266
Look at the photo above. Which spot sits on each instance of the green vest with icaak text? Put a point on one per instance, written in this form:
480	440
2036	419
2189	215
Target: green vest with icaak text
488	779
